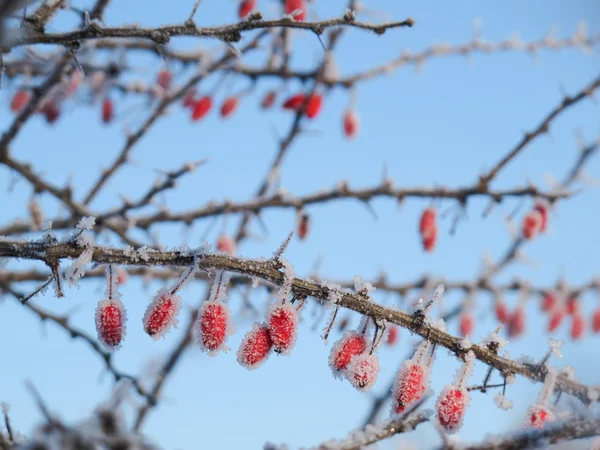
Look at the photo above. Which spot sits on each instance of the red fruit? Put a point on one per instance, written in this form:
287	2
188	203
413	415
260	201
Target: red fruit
292	5
226	244
255	347
516	324
50	111
313	106
20	100
548	302
466	324
74	81
246	6
410	385
556	319
294	102
164	79
538	416
161	314
283	326
107	110
572	306
451	406
190	98
542	207
110	323
268	100
351	123
392	336
229	106
362	371
428	228
531	224
303	226
213	326
596	321
351	344
577	326
201	108
122	276
501	311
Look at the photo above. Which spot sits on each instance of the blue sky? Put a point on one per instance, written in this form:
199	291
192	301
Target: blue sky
442	126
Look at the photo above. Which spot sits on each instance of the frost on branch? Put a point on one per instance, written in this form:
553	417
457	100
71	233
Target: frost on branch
285	290
77	268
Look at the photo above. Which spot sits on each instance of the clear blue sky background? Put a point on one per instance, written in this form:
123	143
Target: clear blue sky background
442	126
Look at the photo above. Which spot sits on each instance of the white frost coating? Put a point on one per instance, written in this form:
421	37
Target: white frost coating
285	290
438	324
142	253
229	328
218	290
466	343
494	336
46	225
77	268
97	318
555	345
466	369
87	223
568	372
502	402
362	371
362	286
510	378
171	320
187	275
548	387
111	282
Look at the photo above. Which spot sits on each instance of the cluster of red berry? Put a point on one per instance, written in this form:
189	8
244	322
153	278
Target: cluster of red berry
536	220
247	6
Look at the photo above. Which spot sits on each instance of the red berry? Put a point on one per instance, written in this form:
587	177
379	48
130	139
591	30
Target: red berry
50	110
213	326
283	325
255	347
229	106
428	228
537	416
74	81
351	344
577	326
501	311
362	371
313	106
189	101
292	5
303	226
466	324
596	321
20	100
548	302
122	276
516	324
268	100
411	383
294	102
451	406
555	319
542	207
351	123
226	244
246	6
110	323
572	306
161	314
107	110
392	336
531	224
164	79
201	108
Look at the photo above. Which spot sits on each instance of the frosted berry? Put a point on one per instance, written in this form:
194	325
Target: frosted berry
189	100
556	319
20	100
516	324
362	371
201	108
572	306
255	347
428	228
313	106
107	110
268	100
531	224
393	335
161	315
501	311
50	111
283	325
226	244
538	416
351	344
351	123
542	207
110	323
466	324
229	106
451	406
411	383
577	326
292	5
213	326
294	102
246	6
303	226
164	79
548	302
596	321
74	81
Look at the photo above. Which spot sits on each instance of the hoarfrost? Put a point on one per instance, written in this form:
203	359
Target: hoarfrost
285	290
502	402
362	371
87	223
363	287
555	345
